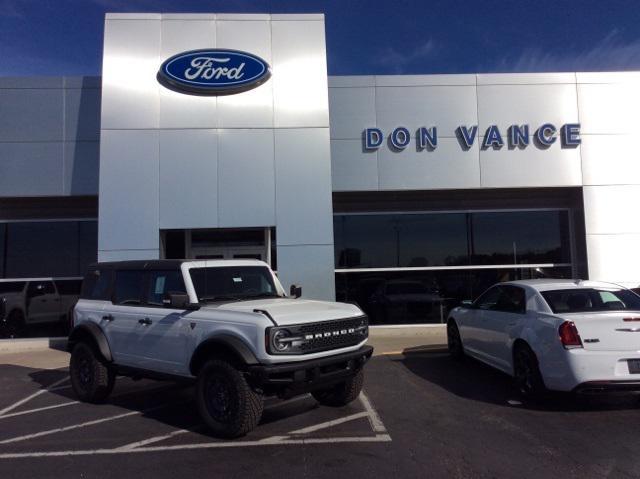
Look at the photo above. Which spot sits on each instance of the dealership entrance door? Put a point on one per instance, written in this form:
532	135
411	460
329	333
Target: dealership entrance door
220	243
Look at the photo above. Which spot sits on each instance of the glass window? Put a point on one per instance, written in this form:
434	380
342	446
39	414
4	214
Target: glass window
163	282
217	284
39	288
414	297
128	287
11	286
591	299
68	286
520	237
513	300
88	245
490	299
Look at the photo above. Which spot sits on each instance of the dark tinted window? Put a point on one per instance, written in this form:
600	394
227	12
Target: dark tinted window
39	288
232	282
490	299
591	299
12	287
128	288
68	286
163	282
512	300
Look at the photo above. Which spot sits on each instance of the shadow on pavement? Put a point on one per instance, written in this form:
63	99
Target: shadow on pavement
471	379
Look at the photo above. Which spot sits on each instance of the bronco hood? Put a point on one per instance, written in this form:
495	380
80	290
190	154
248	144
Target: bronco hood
285	311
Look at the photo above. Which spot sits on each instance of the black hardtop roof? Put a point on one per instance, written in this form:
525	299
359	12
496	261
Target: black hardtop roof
154	264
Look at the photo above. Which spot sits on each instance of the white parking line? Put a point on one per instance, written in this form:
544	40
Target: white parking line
207	445
374	419
45	408
155	439
324	425
34	395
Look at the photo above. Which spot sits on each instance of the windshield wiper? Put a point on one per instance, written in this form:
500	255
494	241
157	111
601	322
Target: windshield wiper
260	295
220	298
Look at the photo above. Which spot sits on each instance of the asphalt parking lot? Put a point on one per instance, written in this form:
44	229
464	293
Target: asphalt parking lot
421	415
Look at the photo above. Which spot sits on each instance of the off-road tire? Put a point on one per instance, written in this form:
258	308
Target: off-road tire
454	341
91	377
226	402
527	375
341	394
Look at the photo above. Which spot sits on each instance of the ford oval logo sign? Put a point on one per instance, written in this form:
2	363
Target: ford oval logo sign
213	71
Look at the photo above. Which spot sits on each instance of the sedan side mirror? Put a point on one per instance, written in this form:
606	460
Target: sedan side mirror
175	300
295	291
467	303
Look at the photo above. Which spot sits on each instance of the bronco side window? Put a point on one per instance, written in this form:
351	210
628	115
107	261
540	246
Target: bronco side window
129	287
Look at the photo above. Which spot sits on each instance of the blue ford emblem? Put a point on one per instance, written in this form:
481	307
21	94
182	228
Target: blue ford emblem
213	71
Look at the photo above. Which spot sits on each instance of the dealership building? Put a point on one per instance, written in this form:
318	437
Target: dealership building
404	193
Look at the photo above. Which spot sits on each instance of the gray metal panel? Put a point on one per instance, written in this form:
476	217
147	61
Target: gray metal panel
81	167
188	179
253	108
297	16
131	58
351	110
244	16
128	254
609	108
525	78
353	169
133	16
31	115
246	181
351	81
31	82
446	107
614	258
189	16
129	200
506	168
299	74
82	82
82	114
31	169
448	166
606	210
506	105
425	80
608	77
309	266
178	110
610	159
303	186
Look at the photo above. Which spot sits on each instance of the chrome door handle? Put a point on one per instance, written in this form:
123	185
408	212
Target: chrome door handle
108	317
145	321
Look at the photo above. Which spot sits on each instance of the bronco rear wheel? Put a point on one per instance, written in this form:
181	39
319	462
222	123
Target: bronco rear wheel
226	402
341	394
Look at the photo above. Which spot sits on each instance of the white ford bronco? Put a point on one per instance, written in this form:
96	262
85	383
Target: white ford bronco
226	325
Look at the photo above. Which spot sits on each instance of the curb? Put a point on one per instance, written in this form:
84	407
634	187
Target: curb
32	344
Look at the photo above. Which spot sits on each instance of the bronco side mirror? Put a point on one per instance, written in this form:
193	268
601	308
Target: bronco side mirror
295	291
175	300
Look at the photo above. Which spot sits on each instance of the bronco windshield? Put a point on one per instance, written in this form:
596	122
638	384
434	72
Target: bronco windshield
591	300
229	283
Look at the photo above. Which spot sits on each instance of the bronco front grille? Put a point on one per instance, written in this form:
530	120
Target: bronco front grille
333	334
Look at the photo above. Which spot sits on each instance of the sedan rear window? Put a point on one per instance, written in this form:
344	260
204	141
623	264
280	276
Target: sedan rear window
591	299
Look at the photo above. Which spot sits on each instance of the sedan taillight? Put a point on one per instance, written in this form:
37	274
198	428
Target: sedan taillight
569	335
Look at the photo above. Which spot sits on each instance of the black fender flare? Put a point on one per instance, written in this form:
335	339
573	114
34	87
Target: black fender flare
93	331
226	343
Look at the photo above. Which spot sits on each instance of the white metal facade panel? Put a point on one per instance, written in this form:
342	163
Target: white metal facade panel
188	188
253	108
530	167
607	209
609	108
446	167
299	74
128	213
352	168
445	107
176	109
303	201
31	169
131	57
610	159
613	257
81	166
31	114
246	178
352	109
309	266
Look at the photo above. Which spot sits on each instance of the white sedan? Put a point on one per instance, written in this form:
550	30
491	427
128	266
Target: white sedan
563	335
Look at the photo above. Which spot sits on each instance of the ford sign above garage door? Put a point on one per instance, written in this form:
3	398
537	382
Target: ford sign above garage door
213	72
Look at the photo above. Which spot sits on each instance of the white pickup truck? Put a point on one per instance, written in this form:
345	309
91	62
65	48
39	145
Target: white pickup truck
226	325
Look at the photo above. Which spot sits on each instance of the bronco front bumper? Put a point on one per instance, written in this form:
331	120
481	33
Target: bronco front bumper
291	379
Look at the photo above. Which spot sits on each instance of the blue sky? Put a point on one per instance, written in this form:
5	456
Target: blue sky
64	37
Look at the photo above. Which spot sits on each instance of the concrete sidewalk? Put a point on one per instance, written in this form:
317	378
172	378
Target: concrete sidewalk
50	354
